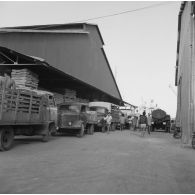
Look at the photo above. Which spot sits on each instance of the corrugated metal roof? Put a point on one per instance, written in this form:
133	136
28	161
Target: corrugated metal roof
58	27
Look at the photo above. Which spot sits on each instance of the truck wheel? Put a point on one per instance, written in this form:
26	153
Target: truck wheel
82	131
103	128
91	129
113	127
6	138
193	142
45	138
52	129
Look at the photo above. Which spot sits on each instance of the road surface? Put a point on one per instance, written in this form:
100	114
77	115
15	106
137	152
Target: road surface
119	162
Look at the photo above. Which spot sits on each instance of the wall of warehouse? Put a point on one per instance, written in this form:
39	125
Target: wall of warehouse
185	78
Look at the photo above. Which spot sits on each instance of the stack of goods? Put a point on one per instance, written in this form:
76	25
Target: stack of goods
58	98
82	100
69	95
25	78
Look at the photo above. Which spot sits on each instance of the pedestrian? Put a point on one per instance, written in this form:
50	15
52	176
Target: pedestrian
108	120
137	119
143	123
129	119
134	123
122	121
149	123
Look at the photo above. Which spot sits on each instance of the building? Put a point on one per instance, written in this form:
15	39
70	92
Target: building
66	55
185	71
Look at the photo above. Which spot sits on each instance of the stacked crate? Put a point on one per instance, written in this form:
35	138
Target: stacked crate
69	95
25	78
82	100
58	98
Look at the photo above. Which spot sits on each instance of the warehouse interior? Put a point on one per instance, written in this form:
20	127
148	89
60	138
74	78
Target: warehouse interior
50	77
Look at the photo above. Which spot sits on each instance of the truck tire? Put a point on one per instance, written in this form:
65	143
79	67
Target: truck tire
113	127
82	131
103	129
6	138
91	129
45	137
52	129
193	142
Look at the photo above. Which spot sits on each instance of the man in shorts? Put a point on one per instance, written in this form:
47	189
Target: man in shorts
143	123
108	120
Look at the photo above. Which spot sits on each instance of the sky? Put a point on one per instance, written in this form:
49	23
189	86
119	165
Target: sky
140	46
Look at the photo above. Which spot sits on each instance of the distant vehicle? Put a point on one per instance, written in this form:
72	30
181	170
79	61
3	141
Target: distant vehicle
75	117
160	120
102	108
25	112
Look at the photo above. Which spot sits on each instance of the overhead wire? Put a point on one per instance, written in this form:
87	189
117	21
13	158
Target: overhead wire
124	12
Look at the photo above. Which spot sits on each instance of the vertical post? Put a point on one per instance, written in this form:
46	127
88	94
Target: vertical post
192	96
17	103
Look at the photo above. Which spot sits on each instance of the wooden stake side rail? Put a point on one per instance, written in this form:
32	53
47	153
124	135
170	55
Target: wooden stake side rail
22	106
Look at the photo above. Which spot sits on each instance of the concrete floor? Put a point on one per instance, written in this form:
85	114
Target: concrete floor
121	162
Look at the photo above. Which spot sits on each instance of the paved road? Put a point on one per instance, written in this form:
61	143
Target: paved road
121	162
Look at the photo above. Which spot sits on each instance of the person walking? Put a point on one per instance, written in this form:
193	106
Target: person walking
122	121
134	123
143	123
137	115
108	120
149	123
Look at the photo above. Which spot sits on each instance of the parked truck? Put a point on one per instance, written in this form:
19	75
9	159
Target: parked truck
160	120
75	117
25	112
102	108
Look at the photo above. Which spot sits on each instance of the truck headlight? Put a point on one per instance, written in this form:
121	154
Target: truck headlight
69	123
164	123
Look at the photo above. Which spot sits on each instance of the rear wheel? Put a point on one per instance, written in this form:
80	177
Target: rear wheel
91	129
6	138
193	142
45	137
82	130
52	129
113	127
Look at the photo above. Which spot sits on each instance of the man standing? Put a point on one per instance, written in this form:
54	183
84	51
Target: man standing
149	122
122	121
143	122
7	82
108	120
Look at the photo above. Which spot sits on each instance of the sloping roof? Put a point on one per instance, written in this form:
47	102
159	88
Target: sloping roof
53	27
74	28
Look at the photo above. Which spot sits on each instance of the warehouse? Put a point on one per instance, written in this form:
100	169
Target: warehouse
66	56
185	71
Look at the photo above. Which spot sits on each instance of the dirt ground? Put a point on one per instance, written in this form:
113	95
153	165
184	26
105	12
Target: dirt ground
119	162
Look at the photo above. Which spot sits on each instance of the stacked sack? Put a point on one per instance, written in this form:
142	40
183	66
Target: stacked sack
25	78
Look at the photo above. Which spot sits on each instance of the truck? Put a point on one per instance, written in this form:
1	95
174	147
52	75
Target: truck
161	120
25	112
102	108
75	117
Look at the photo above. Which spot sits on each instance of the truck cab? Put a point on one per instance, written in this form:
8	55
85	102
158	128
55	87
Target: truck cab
76	117
102	108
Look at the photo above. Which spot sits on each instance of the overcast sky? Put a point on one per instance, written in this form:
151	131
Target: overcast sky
140	46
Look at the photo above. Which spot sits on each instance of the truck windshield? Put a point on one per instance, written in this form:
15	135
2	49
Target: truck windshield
70	108
99	109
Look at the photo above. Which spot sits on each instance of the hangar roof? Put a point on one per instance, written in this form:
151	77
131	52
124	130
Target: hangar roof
83	51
